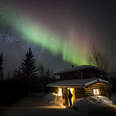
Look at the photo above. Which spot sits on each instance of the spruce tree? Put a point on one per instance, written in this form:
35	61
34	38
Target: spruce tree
28	68
17	75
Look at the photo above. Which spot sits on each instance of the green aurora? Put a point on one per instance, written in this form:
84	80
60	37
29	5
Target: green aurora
35	33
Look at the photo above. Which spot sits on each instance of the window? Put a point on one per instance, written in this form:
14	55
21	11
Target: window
59	91
96	91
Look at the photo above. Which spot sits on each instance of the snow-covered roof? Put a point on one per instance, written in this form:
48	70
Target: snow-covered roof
82	67
76	83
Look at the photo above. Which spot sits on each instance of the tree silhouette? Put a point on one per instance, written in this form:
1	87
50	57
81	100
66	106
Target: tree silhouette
41	71
97	59
1	67
28	68
17	75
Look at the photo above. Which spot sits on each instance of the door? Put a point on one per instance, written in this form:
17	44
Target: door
71	96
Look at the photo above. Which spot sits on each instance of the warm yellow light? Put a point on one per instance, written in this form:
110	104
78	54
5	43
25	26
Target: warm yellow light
96	91
55	94
52	107
72	90
59	91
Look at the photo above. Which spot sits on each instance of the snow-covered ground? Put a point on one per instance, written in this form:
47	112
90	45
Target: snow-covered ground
43	105
86	103
92	103
114	98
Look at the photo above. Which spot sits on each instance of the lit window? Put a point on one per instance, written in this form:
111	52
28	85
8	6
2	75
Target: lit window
59	91
96	91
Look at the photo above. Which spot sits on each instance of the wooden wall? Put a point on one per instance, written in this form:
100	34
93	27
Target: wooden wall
79	92
104	89
83	74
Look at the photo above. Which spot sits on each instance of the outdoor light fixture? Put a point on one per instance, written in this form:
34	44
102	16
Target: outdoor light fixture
96	91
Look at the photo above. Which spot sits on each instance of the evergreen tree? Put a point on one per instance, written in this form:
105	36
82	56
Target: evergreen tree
17	75
48	73
41	71
28	68
1	67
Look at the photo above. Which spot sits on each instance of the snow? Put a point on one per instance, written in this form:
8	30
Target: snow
49	99
90	104
76	82
33	106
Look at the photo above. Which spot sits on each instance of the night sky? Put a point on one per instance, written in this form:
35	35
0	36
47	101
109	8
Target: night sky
60	32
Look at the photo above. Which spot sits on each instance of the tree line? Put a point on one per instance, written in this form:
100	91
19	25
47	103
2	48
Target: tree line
26	79
27	69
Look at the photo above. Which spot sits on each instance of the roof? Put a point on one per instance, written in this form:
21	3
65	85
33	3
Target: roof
77	83
73	69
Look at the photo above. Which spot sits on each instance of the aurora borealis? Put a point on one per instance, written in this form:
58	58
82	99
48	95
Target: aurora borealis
64	28
68	48
36	34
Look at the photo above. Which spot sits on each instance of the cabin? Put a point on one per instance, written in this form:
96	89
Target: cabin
69	91
81	72
79	82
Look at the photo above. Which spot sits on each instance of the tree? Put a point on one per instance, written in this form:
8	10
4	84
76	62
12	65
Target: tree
28	68
1	67
17	75
97	59
41	71
48	73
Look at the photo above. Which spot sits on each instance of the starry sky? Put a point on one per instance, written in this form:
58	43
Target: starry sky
60	32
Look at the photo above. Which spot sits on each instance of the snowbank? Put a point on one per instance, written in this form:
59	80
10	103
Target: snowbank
90	104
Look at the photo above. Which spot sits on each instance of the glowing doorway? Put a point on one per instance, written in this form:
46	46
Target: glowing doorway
72	90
